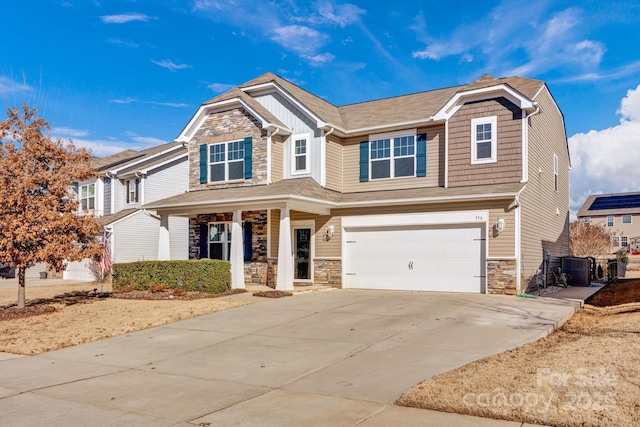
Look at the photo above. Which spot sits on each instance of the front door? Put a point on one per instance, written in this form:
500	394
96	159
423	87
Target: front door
302	253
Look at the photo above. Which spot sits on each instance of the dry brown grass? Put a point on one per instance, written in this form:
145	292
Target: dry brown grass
585	374
93	319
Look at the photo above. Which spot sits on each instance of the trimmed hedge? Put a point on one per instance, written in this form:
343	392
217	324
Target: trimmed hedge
205	275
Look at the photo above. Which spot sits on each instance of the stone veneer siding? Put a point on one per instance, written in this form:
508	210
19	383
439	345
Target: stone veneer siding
258	220
502	276
227	126
327	272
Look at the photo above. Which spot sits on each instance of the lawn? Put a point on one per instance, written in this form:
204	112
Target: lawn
585	374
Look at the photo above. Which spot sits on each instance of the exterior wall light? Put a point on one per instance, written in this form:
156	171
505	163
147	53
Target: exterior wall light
500	225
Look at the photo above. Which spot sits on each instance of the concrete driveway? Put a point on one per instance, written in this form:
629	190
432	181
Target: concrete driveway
336	358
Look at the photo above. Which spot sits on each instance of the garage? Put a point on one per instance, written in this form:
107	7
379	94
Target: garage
418	253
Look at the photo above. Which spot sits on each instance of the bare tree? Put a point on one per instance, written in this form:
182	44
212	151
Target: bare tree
38	220
589	240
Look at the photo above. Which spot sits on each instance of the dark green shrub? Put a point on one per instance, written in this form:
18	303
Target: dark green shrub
205	275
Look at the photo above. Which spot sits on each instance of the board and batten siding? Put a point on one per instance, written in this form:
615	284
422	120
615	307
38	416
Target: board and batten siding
508	167
167	180
333	164
545	212
435	158
299	123
136	238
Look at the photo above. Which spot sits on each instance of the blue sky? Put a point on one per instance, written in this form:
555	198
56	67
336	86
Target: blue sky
117	74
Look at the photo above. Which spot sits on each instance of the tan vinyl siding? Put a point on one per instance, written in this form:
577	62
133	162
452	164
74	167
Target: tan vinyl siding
333	164
435	158
545	212
502	245
274	227
619	229
508	167
276	158
324	248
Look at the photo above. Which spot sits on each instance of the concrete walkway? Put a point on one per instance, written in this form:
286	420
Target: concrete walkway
337	358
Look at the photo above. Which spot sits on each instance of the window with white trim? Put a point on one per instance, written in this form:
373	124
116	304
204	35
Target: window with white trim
87	197
484	140
220	240
587	220
133	186
610	221
555	172
626	219
393	163
615	241
226	161
624	241
300	150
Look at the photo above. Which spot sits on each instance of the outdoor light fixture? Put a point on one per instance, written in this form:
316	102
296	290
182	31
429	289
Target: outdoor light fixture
329	232
500	224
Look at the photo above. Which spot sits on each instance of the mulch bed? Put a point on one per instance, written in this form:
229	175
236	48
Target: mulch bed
272	294
12	313
168	295
622	291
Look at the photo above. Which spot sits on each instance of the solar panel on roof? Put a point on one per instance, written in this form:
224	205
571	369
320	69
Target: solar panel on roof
616	202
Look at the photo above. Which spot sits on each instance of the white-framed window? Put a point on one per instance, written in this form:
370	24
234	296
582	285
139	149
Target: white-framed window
555	172
133	188
610	221
626	219
615	241
624	241
484	140
392	156
587	220
300	149
226	161
87	197
220	240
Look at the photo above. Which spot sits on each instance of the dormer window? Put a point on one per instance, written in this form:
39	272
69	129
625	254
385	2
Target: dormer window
133	186
87	197
484	140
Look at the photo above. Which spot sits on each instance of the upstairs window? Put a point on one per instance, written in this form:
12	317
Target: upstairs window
587	220
393	157
87	197
626	219
300	154
133	186
226	161
484	140
610	221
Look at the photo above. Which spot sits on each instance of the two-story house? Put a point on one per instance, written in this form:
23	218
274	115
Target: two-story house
619	213
457	189
125	182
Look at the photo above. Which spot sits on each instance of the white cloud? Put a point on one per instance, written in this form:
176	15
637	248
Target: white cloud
170	65
125	17
606	161
130	100
299	38
65	132
149	141
123	43
319	59
8	85
328	13
220	87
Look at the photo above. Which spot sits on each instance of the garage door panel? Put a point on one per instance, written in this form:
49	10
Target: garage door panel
442	258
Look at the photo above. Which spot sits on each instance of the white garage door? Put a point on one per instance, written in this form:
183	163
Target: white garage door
448	258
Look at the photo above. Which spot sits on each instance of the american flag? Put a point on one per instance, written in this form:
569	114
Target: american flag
105	259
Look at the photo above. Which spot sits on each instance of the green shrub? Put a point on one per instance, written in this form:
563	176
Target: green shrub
206	275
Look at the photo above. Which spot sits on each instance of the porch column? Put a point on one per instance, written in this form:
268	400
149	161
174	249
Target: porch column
164	244
285	256
237	252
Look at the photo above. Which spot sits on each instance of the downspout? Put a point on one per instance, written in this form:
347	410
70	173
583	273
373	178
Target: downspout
323	158
446	153
518	237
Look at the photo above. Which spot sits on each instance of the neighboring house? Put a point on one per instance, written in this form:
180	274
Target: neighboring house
457	189
619	213
126	181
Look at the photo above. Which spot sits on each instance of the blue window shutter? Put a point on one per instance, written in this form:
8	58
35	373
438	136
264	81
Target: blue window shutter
364	161
421	155
248	148
203	164
248	247
204	241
